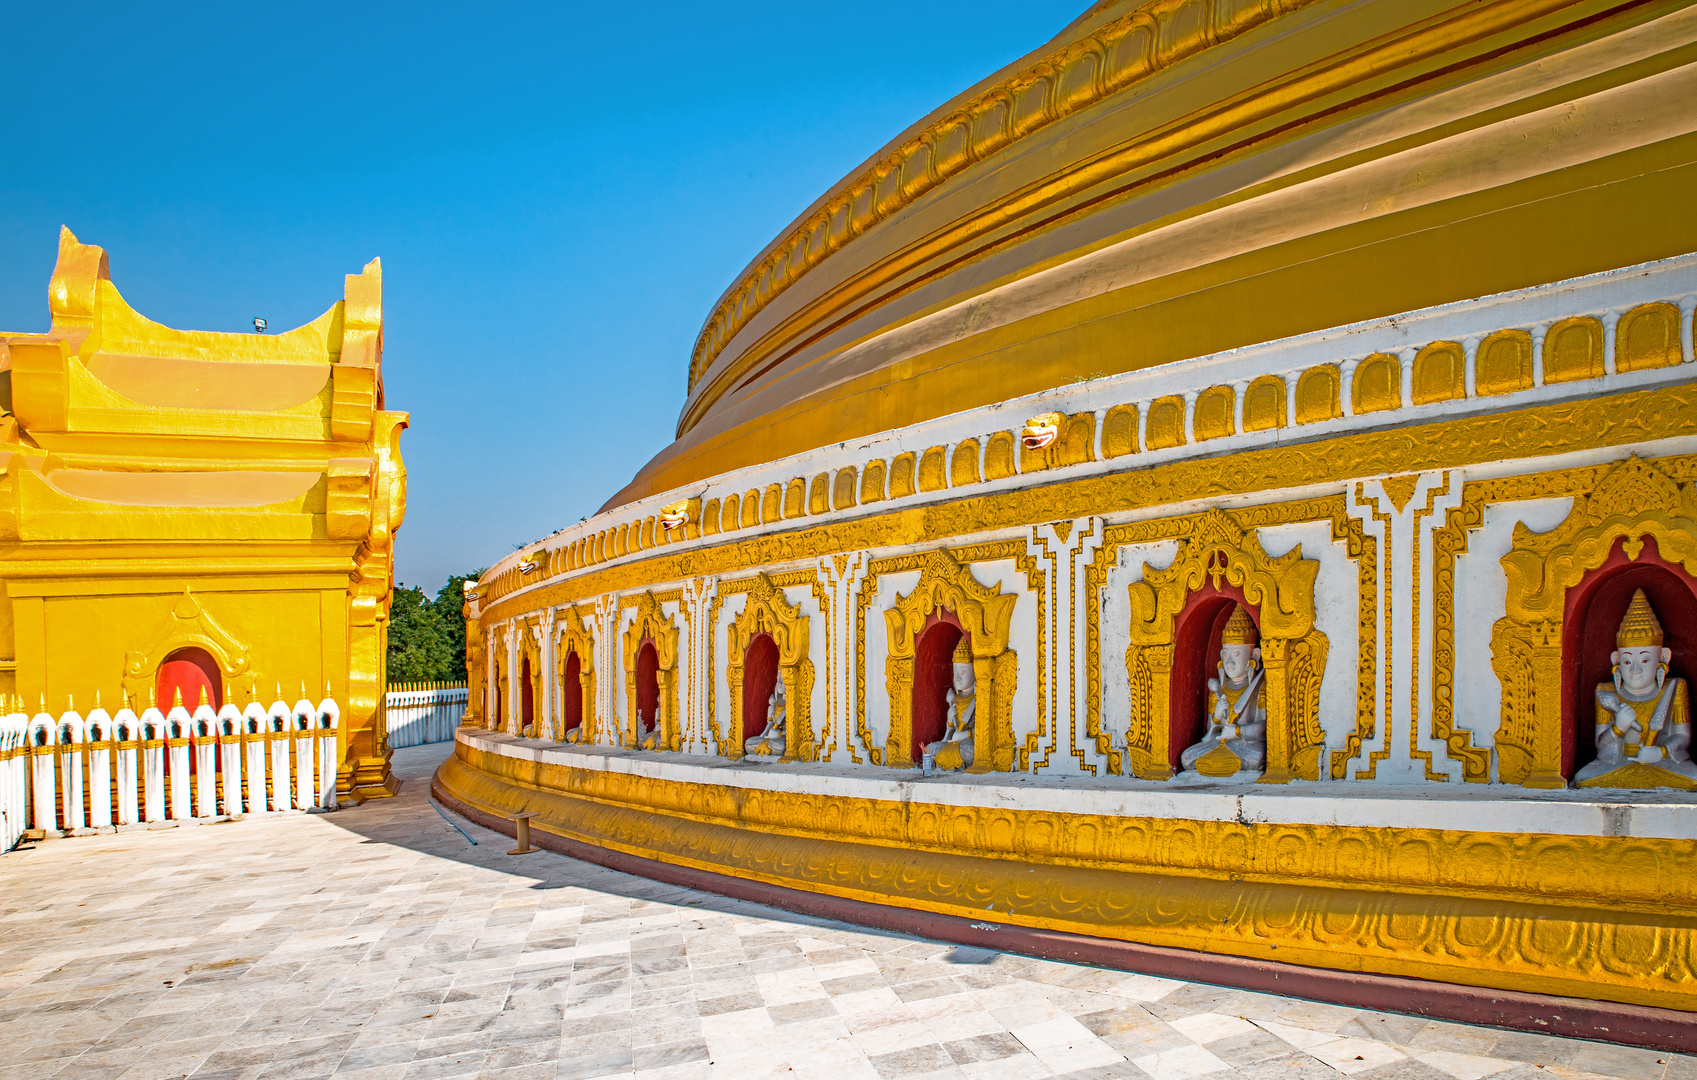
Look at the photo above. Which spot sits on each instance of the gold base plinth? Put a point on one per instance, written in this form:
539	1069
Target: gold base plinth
1567	915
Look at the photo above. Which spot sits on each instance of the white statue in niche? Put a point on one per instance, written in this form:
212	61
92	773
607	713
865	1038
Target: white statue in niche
954	750
773	741
1235	742
1643	718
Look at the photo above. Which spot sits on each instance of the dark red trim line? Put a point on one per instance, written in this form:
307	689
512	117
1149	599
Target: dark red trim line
1634	1025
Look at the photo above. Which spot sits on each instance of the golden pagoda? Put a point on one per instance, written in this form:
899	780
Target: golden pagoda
1248	424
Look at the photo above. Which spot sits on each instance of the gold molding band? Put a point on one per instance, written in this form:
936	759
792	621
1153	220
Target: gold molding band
1595	917
1538	431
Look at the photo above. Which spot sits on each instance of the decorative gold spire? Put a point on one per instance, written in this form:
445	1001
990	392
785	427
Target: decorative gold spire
177	697
1240	629
963	649
1640	628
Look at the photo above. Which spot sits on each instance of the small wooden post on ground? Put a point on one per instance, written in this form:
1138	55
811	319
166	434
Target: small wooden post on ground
523	835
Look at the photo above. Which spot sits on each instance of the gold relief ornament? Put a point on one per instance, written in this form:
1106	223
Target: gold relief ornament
658	732
1042	430
1632	502
1236	738
1643	730
1293	651
574	637
767	612
986	618
954	751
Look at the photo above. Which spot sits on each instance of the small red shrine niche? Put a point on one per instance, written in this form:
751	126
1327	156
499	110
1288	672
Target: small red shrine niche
647	690
527	697
195	673
759	681
1592	617
1196	653
571	695
933	677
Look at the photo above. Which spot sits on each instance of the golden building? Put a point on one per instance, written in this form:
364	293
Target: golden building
1183	502
200	512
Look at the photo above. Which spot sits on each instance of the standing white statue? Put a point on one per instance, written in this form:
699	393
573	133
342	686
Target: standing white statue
954	750
1643	717
773	741
1235	742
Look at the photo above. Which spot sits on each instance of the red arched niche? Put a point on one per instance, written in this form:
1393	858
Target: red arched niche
759	679
527	697
647	683
194	672
933	677
571	707
1196	653
1590	618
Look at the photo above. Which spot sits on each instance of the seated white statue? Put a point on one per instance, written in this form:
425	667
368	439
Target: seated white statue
1643	731
648	730
954	750
772	741
1235	742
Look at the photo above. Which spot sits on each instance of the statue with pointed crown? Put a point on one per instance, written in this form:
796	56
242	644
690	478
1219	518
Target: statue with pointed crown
773	741
1235	742
1643	717
954	750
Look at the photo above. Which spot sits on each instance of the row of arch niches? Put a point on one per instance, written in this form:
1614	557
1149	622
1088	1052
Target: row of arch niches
1632	526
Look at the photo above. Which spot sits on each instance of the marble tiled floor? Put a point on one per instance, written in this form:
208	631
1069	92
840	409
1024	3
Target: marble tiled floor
376	943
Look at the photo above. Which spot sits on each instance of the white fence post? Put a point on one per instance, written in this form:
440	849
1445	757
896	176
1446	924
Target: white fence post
43	737
329	733
99	769
278	719
71	734
178	726
154	748
305	719
203	736
253	738
126	734
230	758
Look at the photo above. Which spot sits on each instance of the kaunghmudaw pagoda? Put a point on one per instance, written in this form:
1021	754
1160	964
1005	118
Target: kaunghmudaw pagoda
1214	498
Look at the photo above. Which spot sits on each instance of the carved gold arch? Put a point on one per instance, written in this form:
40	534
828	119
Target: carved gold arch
574	636
766	612
188	626
1293	652
497	687
530	648
987	615
1632	501
650	622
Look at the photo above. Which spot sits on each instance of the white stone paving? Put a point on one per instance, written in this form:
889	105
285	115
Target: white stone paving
375	943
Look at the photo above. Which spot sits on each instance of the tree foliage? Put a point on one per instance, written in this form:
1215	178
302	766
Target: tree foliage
427	636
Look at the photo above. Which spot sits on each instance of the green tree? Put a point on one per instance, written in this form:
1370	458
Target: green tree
450	598
419	647
427	637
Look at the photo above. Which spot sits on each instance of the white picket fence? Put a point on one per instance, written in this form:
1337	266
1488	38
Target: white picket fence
419	713
74	773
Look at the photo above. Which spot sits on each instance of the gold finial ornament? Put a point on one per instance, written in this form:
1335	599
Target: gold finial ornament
177	698
1240	629
1640	628
963	649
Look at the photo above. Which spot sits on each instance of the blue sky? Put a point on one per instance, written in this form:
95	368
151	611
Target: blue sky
559	192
